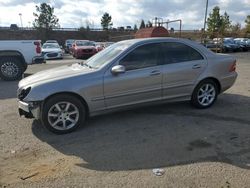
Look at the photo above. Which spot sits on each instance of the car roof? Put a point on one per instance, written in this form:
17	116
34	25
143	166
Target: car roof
51	43
194	44
82	40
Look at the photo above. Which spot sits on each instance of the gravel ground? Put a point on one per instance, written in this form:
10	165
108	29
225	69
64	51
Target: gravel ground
196	148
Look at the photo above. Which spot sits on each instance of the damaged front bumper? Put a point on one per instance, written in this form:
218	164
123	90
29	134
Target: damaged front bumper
29	109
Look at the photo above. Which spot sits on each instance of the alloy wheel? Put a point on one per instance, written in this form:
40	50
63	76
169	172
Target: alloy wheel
63	115
206	94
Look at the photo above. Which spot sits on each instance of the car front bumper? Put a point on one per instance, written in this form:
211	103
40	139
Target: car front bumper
38	60
53	55
29	109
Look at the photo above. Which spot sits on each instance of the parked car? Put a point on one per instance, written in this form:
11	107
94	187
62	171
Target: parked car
51	41
127	74
16	55
214	47
229	45
13	27
68	45
243	42
52	51
83	49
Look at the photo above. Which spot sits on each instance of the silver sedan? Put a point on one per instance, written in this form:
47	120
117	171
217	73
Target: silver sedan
126	74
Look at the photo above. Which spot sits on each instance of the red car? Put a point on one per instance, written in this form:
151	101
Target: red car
83	49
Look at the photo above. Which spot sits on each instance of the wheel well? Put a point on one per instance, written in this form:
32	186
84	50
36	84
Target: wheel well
215	80
13	53
74	95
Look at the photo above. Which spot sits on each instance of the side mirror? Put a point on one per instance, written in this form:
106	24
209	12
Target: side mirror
118	69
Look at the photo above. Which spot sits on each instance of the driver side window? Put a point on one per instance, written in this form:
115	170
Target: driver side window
141	57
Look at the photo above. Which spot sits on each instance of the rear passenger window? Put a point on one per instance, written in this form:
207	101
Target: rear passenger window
174	52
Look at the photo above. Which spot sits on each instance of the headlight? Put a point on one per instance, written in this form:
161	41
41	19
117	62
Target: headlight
23	93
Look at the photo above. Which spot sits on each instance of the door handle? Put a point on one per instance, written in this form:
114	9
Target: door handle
196	66
155	72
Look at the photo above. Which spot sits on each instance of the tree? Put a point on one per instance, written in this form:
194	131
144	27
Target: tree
149	24
225	23
218	23
236	28
214	20
44	17
106	21
135	28
45	20
142	24
247	21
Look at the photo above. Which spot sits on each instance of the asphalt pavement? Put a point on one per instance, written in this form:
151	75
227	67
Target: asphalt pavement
194	148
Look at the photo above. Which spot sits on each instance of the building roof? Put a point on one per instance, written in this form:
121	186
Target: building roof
152	32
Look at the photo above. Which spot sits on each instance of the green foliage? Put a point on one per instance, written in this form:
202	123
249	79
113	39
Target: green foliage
82	29
45	18
142	24
247	21
45	21
226	23
217	22
106	21
135	28
149	24
236	28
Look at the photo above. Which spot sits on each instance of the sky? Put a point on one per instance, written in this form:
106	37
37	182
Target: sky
76	13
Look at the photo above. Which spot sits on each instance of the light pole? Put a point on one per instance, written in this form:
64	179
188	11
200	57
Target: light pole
21	21
205	21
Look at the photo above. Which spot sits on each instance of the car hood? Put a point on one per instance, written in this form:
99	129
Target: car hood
55	74
51	50
85	47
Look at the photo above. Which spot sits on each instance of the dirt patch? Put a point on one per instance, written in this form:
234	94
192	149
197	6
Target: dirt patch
32	166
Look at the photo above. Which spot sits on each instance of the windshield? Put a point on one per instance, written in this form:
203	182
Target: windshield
69	41
85	43
107	55
50	45
229	42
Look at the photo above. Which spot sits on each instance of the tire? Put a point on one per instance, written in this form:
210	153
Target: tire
25	66
205	94
15	66
66	112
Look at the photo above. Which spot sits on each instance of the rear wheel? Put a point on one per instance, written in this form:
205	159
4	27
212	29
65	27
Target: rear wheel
63	114
11	68
205	94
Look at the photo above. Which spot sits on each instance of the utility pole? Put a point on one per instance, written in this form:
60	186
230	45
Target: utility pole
21	21
205	21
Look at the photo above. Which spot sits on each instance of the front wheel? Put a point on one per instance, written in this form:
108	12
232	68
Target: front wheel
11	68
63	114
205	94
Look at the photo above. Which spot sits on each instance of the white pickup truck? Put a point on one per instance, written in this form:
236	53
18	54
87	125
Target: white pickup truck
16	55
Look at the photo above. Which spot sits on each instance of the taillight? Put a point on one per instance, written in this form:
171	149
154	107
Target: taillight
233	67
38	47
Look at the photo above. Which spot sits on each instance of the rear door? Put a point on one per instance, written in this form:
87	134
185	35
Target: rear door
182	67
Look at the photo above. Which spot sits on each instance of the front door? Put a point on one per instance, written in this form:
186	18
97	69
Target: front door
141	82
